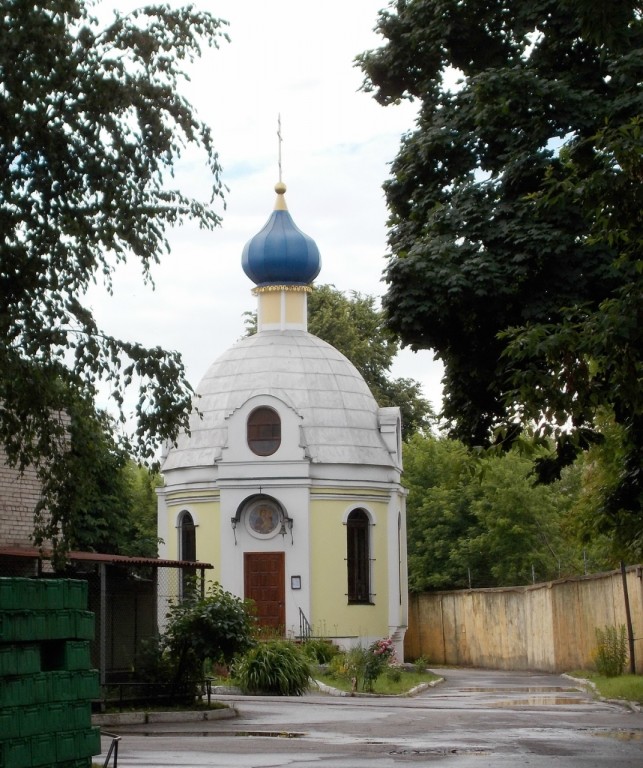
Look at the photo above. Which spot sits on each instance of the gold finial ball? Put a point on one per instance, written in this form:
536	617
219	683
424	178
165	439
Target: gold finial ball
280	188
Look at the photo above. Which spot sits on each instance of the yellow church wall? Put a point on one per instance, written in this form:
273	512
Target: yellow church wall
205	514
332	616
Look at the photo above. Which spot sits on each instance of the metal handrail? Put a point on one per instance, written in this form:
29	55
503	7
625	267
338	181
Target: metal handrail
305	630
113	749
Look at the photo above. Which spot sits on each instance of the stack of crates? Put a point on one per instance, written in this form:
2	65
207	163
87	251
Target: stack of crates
46	681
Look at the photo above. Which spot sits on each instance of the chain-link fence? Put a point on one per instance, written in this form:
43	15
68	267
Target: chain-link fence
130	599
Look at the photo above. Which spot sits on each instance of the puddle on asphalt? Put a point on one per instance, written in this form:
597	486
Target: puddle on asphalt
540	689
621	735
270	734
443	751
539	701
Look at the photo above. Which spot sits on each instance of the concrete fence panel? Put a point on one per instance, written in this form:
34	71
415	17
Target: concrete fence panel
547	627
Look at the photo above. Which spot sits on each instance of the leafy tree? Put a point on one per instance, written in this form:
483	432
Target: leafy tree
217	627
91	125
520	523
104	501
355	326
479	520
598	473
439	476
141	484
516	216
86	479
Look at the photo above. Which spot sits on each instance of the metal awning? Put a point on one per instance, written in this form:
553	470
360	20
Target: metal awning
34	553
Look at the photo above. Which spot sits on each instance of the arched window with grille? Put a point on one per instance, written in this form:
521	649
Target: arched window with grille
358	557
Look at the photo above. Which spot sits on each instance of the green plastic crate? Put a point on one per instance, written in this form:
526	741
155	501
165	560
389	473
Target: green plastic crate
39	625
61	624
66	746
85	625
11	594
32	720
16	625
29	659
79	715
21	593
13	692
61	686
87	684
76	594
77	655
8	660
9	723
36	688
15	753
19	659
88	742
43	749
53	594
57	717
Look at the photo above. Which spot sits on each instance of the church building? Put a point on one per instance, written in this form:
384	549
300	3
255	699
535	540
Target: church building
289	481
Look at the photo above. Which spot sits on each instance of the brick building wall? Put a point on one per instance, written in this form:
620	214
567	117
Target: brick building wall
19	495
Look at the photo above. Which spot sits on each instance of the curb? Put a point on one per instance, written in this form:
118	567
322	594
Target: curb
360	694
142	718
584	683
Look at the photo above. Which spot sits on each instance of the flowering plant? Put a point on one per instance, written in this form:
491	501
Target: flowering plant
380	654
385	649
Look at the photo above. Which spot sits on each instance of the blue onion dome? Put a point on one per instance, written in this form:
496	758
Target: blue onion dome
281	254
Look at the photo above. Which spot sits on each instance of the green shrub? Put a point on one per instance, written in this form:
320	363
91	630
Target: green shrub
319	650
217	627
275	666
153	663
362	666
394	674
611	651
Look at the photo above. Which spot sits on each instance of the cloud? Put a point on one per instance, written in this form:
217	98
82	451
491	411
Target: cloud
295	59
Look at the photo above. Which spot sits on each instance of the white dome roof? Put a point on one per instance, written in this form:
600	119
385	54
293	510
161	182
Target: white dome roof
339	415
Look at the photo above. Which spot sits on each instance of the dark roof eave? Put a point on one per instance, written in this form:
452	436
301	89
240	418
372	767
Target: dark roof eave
98	557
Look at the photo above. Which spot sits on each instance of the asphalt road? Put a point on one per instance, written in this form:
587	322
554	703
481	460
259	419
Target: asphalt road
474	719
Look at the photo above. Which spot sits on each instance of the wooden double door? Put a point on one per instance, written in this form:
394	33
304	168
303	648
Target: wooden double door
264	583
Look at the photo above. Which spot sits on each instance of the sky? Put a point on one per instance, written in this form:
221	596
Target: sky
293	59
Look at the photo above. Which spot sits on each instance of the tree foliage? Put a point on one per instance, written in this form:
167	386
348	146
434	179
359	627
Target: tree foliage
515	225
218	627
91	125
103	501
355	326
606	540
479	520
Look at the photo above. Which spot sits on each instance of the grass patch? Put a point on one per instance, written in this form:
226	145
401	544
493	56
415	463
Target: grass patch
384	685
626	687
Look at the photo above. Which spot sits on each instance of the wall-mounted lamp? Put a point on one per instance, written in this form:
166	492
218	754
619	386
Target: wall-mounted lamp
233	523
286	521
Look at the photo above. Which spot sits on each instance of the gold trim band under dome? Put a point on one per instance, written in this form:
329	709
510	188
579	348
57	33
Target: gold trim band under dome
292	288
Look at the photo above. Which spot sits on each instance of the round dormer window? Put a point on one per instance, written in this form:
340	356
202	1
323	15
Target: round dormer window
264	431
